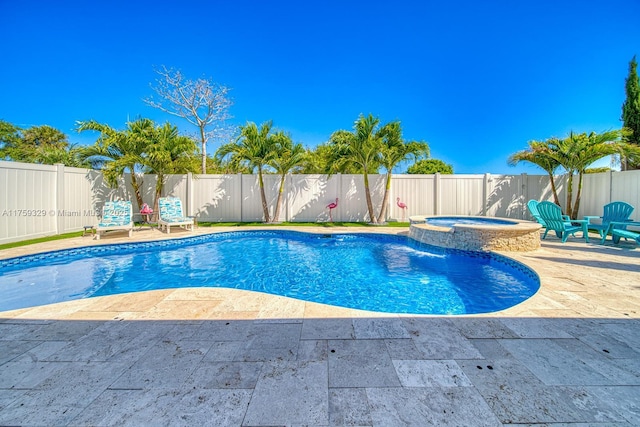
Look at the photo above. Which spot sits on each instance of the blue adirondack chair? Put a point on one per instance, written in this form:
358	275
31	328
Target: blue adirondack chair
613	212
552	216
618	233
533	209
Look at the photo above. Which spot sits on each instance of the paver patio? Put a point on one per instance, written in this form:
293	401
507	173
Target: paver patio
570	355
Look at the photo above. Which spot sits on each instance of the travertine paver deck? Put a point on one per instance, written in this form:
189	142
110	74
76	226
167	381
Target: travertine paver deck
570	355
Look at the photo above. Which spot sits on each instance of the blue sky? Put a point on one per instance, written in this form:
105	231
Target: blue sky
475	79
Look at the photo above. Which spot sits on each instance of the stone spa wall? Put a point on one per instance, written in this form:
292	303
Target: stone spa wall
519	237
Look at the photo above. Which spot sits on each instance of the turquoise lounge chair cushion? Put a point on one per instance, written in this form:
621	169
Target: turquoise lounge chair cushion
171	210
116	214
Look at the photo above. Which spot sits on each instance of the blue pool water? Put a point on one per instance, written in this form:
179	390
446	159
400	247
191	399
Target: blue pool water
453	220
372	272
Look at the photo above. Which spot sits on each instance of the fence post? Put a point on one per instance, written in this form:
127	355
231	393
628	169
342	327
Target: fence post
239	175
610	185
189	194
59	198
390	201
525	195
287	196
436	194
485	193
340	205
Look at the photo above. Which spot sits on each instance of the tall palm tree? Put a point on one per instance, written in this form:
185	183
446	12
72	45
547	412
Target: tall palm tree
538	155
254	148
360	148
395	150
116	152
288	156
576	152
168	152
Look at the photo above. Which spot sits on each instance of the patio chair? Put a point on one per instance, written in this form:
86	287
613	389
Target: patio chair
617	233
618	230
171	214
553	219
533	209
115	216
613	212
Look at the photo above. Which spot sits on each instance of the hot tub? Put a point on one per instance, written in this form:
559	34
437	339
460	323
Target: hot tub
476	233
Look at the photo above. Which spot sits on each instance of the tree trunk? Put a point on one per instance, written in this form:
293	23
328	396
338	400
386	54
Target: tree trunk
569	211
159	188
367	194
276	216
385	200
204	150
136	189
576	206
554	190
265	207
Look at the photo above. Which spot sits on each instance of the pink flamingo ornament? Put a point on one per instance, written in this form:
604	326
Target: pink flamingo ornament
402	206
332	206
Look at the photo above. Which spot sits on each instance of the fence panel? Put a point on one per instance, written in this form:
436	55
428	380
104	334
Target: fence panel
77	209
595	192
536	187
461	194
354	207
252	200
101	192
28	206
416	192
69	198
217	198
505	196
309	195
625	187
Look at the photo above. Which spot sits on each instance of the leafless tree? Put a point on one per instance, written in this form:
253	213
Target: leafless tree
201	102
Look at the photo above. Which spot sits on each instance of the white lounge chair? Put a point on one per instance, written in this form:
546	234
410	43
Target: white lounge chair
171	214
115	216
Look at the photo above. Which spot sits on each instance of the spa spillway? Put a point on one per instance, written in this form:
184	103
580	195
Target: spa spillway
476	233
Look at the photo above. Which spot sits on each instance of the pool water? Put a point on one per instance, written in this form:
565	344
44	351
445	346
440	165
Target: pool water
381	273
451	221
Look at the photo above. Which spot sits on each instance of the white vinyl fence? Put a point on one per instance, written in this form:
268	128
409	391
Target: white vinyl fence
42	200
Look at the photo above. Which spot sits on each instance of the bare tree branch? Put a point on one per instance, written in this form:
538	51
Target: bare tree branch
202	102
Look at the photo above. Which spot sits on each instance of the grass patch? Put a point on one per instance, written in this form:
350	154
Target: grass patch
40	240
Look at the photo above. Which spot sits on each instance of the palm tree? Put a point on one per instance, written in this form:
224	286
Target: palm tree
360	148
168	152
576	152
318	160
322	160
538	155
288	157
254	148
395	150
116	152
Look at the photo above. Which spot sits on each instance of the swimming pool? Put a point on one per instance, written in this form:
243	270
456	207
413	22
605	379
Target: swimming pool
383	273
